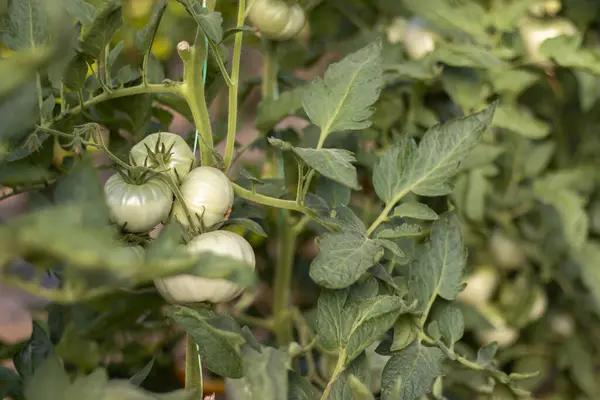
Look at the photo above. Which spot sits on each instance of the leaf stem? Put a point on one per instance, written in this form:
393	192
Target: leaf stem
193	368
384	214
339	368
170	87
233	88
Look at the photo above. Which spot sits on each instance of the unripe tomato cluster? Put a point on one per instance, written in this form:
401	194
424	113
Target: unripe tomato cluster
277	20
138	202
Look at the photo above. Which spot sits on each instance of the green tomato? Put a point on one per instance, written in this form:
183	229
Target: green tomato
166	148
481	285
138	208
188	289
208	194
505	252
276	20
499	330
545	7
534	32
418	40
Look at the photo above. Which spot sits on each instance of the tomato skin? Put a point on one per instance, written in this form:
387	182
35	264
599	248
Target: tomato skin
505	252
207	192
418	40
181	158
188	289
534	32
276	20
481	285
141	207
501	332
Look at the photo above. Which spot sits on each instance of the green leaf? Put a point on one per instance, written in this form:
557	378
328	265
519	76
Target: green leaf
417	366
209	22
22	173
271	111
27	24
83	188
359	368
538	159
74	74
521	121
571	208
477	190
145	37
486	354
90	387
34	353
219	349
49	382
349	324
587	259
142	374
265	373
439	264
589	89
449	322
415	210
125	390
512	81
506	14
467	55
400	231
335	164
102	30
343	100
300	388
249	224
358	389
343	258
465	87
19	112
425	170
425	69
567	52
466	17
10	383
334	193
81	10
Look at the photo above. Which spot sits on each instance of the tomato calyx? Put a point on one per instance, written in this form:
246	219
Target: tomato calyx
138	175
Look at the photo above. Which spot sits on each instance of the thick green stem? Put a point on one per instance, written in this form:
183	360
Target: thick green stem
193	368
339	368
283	280
233	88
38	84
270	71
193	90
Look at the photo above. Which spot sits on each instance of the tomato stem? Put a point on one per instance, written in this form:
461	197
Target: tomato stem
193	92
233	88
193	367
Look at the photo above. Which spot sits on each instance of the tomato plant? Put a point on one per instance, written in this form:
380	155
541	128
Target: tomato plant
314	199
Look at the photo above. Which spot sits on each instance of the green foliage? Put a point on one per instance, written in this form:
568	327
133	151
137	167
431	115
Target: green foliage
426	226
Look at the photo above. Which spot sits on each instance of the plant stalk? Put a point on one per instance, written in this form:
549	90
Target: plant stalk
193	91
193	368
233	88
283	279
339	368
